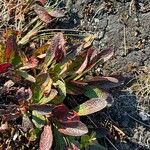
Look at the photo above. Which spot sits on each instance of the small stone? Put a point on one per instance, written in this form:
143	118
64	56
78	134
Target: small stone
96	20
9	84
100	34
75	21
74	10
96	43
143	116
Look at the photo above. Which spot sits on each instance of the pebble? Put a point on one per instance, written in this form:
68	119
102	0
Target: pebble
96	43
96	20
74	10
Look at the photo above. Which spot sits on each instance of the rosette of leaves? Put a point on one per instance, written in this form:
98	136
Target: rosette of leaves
53	72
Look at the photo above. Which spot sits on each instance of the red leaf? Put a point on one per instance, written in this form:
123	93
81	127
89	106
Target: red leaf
4	67
58	47
73	128
43	14
44	109
46	139
86	61
42	1
63	114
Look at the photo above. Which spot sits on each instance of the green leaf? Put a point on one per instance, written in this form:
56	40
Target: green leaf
37	94
34	134
93	92
60	85
38	119
16	60
59	139
25	75
87	140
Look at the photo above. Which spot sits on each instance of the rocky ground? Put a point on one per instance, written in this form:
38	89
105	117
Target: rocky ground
125	26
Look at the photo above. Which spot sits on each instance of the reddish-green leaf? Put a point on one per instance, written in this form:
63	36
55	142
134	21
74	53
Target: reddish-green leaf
58	47
46	138
2	49
43	14
45	99
91	106
5	67
11	44
103	55
29	63
86	61
73	128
